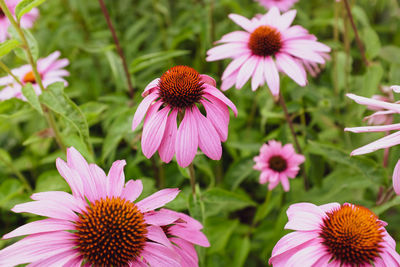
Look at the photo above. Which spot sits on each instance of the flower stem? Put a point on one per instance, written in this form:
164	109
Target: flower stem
49	117
19	175
192	179
6	69
118	46
290	123
358	40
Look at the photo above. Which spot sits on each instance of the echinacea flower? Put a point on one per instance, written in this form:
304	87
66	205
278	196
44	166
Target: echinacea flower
277	164
183	232
26	21
334	235
385	108
51	70
177	94
268	45
100	224
282	5
382	117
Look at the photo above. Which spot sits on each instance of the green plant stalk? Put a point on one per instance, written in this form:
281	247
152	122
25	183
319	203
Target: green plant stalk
192	179
49	117
6	69
19	175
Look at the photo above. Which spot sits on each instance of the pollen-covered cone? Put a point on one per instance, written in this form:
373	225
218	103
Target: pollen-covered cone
100	224
180	94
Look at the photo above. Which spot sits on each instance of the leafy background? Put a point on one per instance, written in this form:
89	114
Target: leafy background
158	34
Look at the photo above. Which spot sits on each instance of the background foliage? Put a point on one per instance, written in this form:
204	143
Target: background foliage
157	34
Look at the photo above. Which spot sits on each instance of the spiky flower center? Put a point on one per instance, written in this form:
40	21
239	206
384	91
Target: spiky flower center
265	41
29	78
180	87
352	235
277	163
111	232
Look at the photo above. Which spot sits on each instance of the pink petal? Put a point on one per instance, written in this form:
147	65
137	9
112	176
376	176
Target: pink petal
101	180
157	199
167	146
57	260
218	114
216	93
187	139
153	132
396	178
387	141
47	209
258	75
142	109
132	190
271	75
291	68
71	177
189	221
209	141
207	79
234	65
187	252
230	50
155	233
159	255
236	36
307	256
160	218
242	22
245	71
366	129
153	84
374	103
287	19
192	235
116	179
395	88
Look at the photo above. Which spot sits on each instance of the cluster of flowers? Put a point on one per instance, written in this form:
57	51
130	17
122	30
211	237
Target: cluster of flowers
101	223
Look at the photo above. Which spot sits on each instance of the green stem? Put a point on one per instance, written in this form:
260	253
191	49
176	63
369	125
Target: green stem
192	179
6	69
19	175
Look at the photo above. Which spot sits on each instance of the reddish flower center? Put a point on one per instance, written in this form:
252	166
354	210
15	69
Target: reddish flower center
352	235
29	78
180	87
277	163
111	232
265	41
2	15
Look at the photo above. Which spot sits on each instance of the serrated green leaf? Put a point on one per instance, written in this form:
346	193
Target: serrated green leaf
25	6
32	97
7	46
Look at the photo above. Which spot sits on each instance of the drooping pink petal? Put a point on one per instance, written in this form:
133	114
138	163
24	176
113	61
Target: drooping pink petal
116	179
157	199
381	128
192	235
307	256
155	233
160	218
374	103
218	114
60	259
216	93
153	84
167	146
159	255
234	65
258	75
236	36
387	141
291	68
187	252
142	109
271	75
207	79
246	70
396	178
187	140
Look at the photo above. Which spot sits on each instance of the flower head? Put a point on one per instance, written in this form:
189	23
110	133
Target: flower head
282	5
183	232
334	235
100	224
51	70
277	164
268	45
179	93
26	21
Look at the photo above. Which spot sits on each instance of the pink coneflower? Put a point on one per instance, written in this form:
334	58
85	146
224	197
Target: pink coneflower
334	235
99	224
268	45
277	164
26	21
385	108
176	95
183	232
282	5
50	70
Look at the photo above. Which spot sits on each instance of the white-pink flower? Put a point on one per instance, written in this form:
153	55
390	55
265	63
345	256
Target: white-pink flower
277	164
268	45
179	93
51	70
282	5
334	235
100	224
26	21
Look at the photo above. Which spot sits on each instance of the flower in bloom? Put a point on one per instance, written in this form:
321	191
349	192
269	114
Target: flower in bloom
381	116
51	69
334	235
100	224
384	108
183	232
267	45
277	164
282	5
177	94
26	21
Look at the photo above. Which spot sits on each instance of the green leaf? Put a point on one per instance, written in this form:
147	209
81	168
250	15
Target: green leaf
239	171
51	181
7	46
25	6
372	42
242	249
32	97
391	54
32	43
145	61
218	231
56	100
9	189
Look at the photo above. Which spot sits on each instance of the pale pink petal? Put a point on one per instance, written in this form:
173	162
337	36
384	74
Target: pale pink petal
116	179
287	19
157	199
395	88
242	22
396	178
387	141
258	75
142	109
374	103
187	140
46	225
271	75
230	50
307	256
236	36
100	178
382	128
132	190
234	65
246	70
72	177
60	259
47	209
291	68
167	146
153	84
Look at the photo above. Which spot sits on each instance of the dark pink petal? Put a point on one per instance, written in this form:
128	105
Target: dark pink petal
156	233
157	199
189	221
159	255
187	140
218	114
167	146
209	141
192	235
153	132
116	179
216	93
71	177
291	68
207	79
142	109
46	209
291	241
187	252
160	218
307	256
132	190
75	262
242	22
